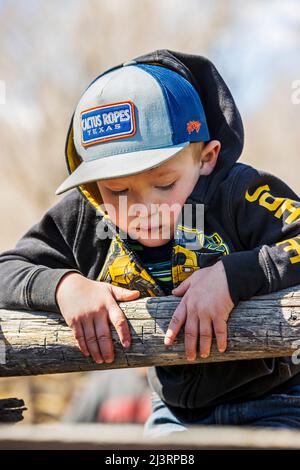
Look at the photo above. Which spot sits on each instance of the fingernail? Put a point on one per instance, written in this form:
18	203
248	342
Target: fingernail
99	361
126	344
191	358
167	341
204	355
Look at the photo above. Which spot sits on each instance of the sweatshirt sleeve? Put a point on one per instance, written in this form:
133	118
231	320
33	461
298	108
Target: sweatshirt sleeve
265	213
30	272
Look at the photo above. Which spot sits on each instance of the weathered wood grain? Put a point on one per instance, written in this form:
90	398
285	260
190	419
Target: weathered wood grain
128	437
41	343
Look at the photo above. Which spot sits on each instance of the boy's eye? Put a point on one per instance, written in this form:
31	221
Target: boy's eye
117	193
169	186
163	188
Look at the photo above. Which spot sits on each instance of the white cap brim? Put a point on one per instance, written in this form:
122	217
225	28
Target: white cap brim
117	166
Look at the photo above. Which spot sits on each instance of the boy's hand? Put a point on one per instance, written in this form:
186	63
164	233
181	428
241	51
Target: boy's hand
88	307
206	305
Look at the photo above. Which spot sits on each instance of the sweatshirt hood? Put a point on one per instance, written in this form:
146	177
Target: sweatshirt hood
222	115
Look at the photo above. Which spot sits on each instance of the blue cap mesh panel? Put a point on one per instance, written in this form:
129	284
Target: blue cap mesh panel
183	102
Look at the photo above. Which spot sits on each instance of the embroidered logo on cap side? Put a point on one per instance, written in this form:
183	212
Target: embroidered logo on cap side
107	122
193	126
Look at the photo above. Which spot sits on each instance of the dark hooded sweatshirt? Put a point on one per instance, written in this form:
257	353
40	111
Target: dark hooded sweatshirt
252	224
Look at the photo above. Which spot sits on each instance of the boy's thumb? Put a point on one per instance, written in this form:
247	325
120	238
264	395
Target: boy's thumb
181	289
120	293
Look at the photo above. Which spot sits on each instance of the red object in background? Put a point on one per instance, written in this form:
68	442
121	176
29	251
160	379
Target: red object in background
125	410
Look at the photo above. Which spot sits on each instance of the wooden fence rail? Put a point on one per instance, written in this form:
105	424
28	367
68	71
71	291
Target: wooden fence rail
121	437
41	343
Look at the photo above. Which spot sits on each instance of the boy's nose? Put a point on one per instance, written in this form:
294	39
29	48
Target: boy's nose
146	208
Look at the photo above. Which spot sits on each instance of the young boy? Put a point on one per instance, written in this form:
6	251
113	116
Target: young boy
149	139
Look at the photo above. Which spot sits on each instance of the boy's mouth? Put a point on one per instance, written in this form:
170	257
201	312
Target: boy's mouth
155	233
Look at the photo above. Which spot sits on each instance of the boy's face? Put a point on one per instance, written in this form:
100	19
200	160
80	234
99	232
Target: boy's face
147	205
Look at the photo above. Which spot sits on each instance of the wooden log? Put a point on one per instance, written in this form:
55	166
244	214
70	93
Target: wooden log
41	343
130	437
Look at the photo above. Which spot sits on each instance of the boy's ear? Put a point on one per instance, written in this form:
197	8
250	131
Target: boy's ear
209	156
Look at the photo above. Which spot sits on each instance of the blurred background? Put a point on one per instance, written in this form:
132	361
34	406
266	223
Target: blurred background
51	50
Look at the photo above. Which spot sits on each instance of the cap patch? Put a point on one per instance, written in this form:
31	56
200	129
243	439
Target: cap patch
193	126
107	122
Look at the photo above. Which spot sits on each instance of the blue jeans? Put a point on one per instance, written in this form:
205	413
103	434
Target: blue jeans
274	410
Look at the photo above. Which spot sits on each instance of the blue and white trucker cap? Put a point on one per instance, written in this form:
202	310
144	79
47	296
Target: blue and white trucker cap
132	119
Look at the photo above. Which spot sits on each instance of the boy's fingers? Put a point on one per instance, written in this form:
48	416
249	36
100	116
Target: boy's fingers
120	293
91	340
176	323
191	337
119	321
79	336
220	328
205	337
104	338
182	288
